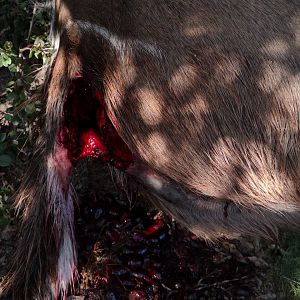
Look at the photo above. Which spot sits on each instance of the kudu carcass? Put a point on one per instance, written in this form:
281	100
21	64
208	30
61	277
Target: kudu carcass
201	104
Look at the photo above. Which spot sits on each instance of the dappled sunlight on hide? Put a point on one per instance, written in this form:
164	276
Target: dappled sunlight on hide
227	70
273	75
205	94
249	175
120	79
151	110
64	12
277	48
158	148
155	146
183	79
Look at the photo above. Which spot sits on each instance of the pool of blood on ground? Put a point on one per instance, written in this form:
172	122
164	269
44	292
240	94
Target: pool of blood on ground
87	130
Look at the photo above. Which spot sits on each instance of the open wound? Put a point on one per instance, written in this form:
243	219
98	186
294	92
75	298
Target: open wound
87	130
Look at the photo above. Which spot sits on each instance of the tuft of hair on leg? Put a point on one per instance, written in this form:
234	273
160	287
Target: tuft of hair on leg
61	206
44	263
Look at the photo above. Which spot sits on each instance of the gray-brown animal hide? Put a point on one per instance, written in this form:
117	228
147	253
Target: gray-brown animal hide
206	93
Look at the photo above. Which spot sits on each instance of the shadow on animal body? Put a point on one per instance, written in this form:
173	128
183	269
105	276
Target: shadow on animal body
197	100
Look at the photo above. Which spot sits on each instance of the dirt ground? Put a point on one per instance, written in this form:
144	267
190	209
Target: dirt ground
129	250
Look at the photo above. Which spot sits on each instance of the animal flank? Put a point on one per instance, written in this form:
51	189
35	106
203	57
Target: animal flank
198	101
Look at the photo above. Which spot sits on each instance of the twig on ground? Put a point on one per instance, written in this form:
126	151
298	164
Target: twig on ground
219	283
32	21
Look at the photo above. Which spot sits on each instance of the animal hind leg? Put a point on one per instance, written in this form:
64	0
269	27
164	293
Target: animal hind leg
44	263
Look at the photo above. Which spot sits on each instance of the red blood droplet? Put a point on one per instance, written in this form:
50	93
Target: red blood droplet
137	295
154	274
100	280
121	165
154	228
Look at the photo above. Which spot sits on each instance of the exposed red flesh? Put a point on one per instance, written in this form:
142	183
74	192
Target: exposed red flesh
87	130
91	145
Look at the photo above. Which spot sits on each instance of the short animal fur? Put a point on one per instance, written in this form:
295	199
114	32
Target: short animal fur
206	94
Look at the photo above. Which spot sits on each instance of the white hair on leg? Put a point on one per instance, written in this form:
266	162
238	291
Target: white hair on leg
61	205
67	261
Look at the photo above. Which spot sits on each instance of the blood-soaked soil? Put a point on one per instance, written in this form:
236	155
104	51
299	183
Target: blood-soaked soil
129	250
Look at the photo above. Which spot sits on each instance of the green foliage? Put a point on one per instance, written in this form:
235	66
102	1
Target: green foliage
24	53
15	18
5	190
20	66
289	264
6	55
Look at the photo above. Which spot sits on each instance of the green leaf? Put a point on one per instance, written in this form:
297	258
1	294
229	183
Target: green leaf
2	137
5	160
15	122
2	147
1	61
8	117
12	68
13	96
22	97
5	60
37	53
10	83
8	46
30	108
45	59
